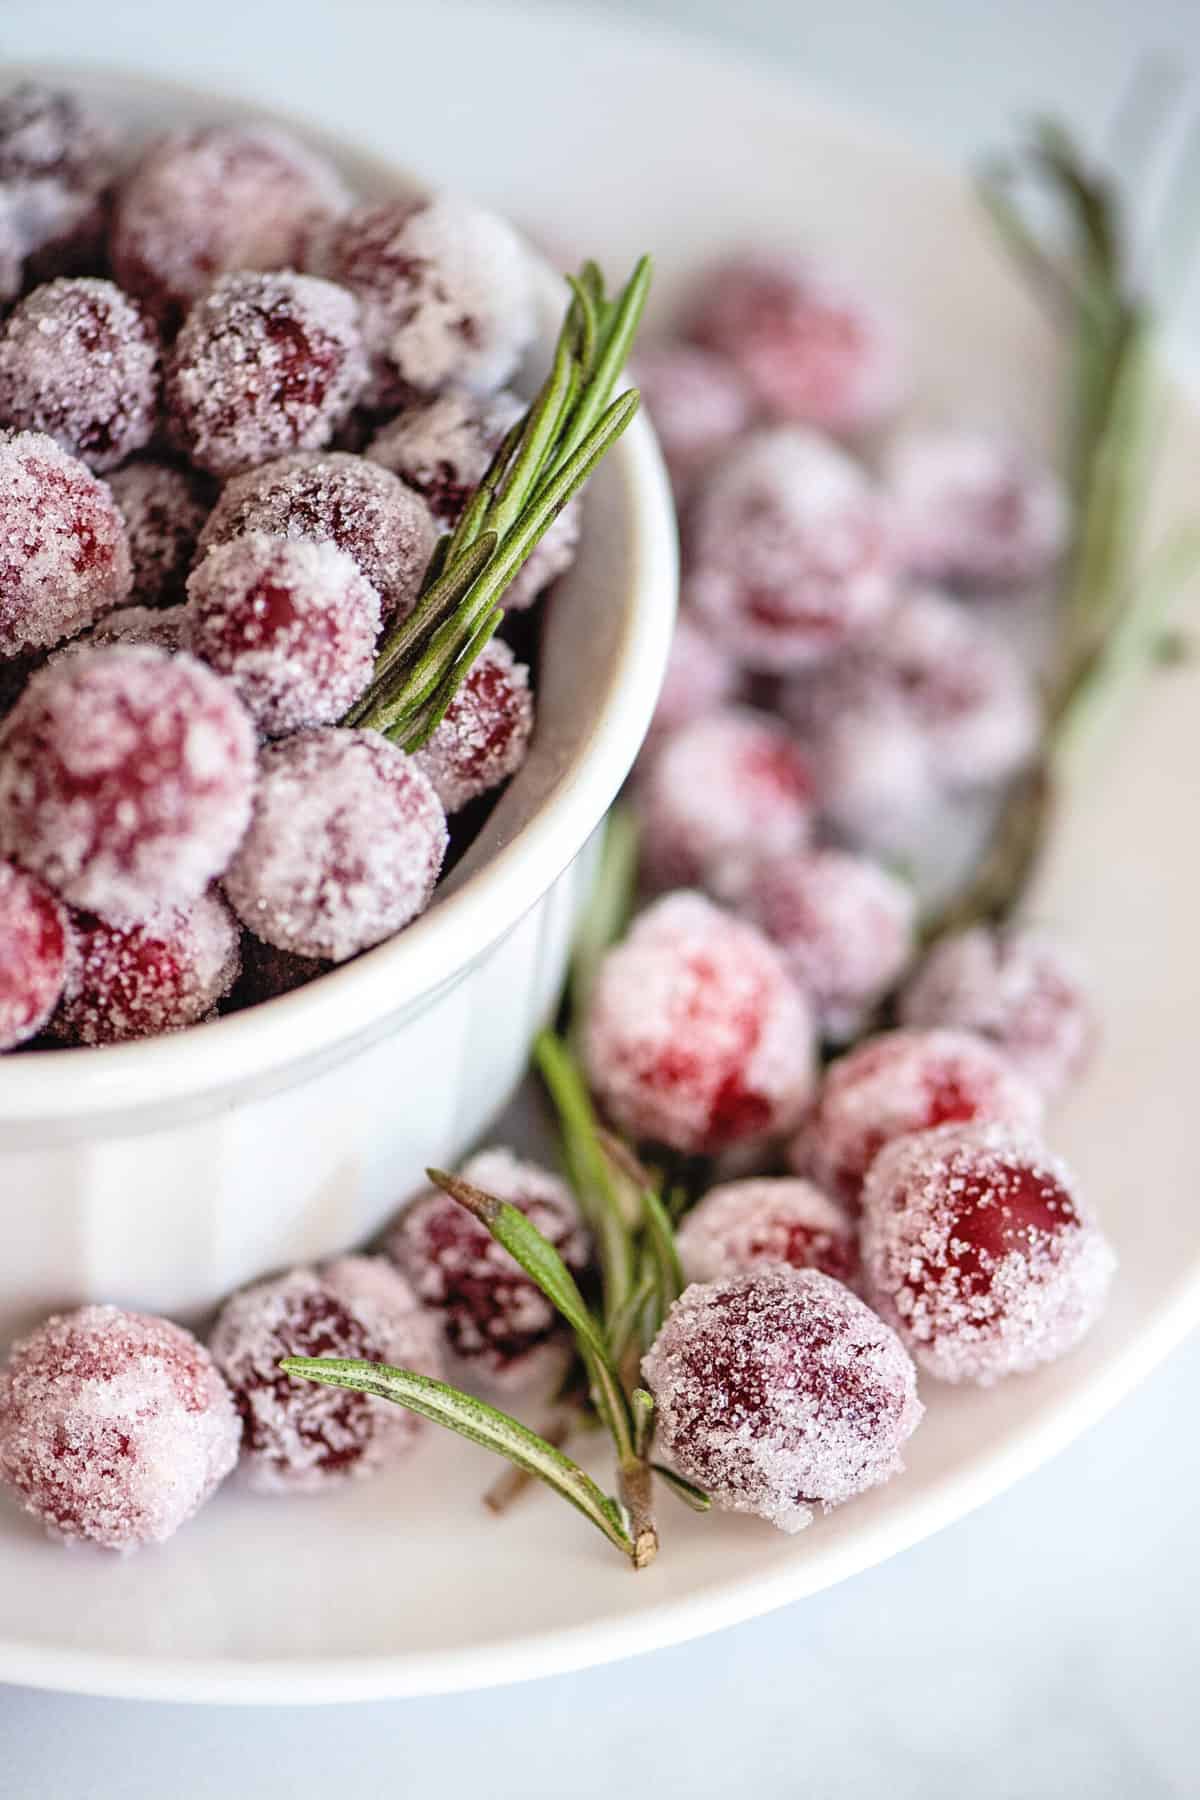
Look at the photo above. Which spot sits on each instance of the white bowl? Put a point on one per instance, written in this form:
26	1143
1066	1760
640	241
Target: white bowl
162	1174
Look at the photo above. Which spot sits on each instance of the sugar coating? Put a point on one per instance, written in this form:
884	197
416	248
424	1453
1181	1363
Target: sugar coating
720	791
265	364
1021	989
115	1427
900	1082
36	949
698	402
485	734
744	1225
202	203
142	980
292	624
163	508
779	1392
64	555
302	1436
56	158
813	345
787	552
344	848
980	1250
334	497
697	1037
974	510
700	678
126	778
163	626
845	925
499	1326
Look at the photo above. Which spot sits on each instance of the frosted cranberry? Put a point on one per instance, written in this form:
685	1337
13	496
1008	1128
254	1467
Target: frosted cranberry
979	1248
64	556
268	972
697	1038
812	346
301	1436
743	1225
165	627
115	1427
344	848
486	731
698	404
143	980
35	955
163	508
292	624
717	793
1020	989
844	924
900	1082
56	158
126	778
700	677
498	1324
779	1392
973	510
334	498
202	203
787	555
446	289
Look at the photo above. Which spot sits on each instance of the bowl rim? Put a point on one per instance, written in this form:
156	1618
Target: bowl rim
278	1040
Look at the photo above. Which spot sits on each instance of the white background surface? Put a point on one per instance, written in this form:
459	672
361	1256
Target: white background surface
1048	1646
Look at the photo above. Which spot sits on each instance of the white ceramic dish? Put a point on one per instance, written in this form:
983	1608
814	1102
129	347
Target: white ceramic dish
407	1587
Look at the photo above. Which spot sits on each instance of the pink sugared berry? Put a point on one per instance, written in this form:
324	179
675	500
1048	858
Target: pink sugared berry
743	1225
56	159
163	508
779	1392
1019	988
978	1247
486	731
787	552
498	1324
64	554
814	347
114	1426
126	777
35	955
292	624
344	847
163	626
900	1082
302	1436
698	402
700	677
697	1037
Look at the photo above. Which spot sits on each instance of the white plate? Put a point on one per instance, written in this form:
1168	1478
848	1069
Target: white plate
407	1586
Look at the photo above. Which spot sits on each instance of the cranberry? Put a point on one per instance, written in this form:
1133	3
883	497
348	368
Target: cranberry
35	954
700	677
486	731
743	1225
164	509
64	556
56	159
165	627
778	1391
698	402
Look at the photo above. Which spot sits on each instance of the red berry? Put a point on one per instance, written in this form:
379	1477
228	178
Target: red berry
979	1249
498	1323
344	848
700	677
698	404
696	1036
126	778
56	159
743	1225
778	1392
35	954
114	1426
301	1436
64	556
163	508
486	731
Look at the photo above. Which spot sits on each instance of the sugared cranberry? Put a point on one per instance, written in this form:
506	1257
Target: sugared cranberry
716	794
56	159
202	203
813	347
779	1392
143	980
344	847
334	498
698	404
163	626
1019	988
486	731
974	511
700	677
114	1426
64	555
844	924
163	508
292	624
126	777
978	1247
302	1436
35	955
744	1225
904	1081
697	1037
787	552
498	1323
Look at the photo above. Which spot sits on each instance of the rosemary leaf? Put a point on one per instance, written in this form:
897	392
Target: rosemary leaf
683	1490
